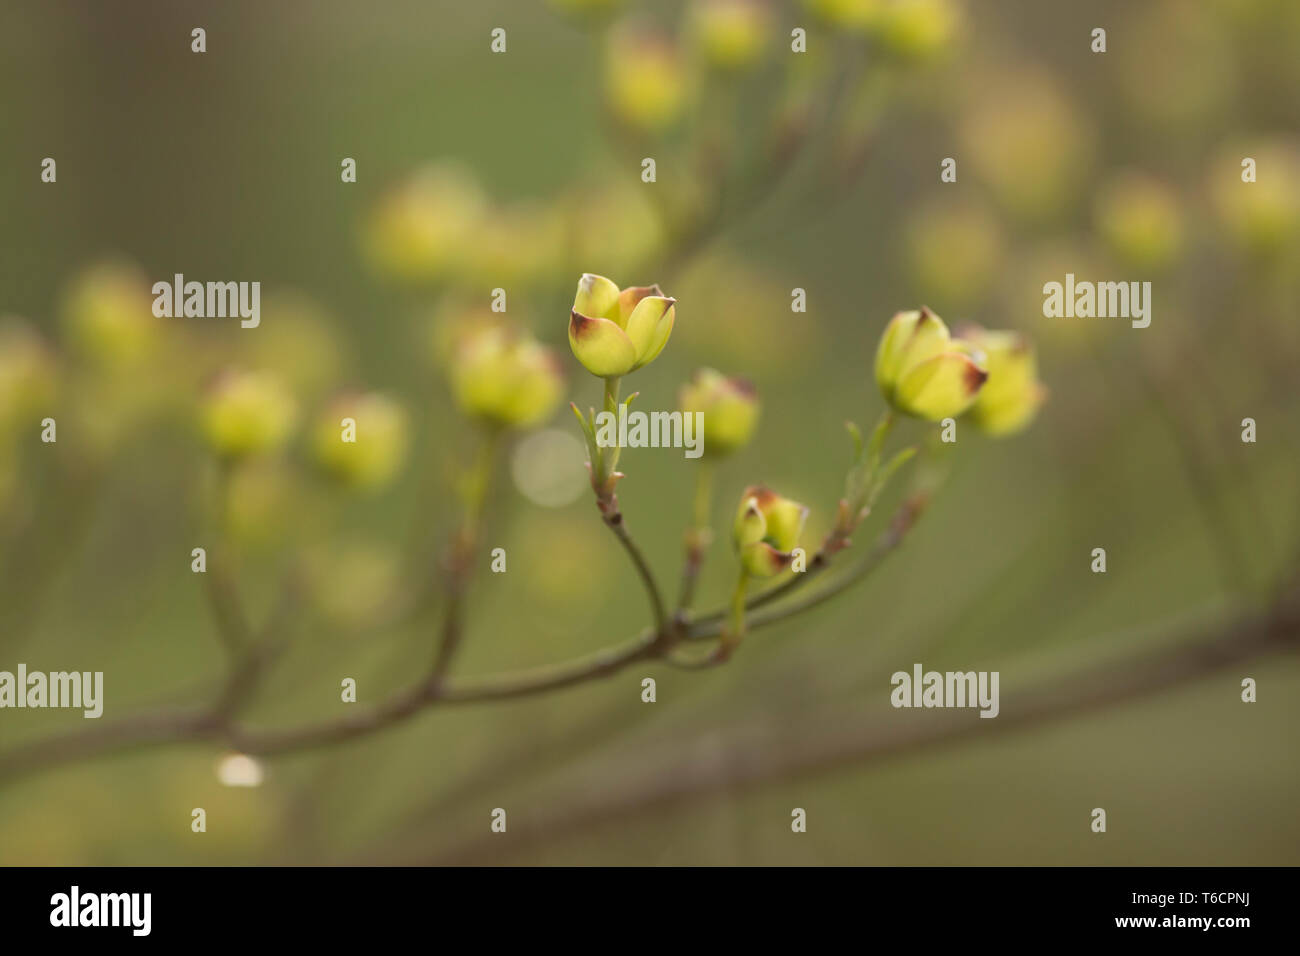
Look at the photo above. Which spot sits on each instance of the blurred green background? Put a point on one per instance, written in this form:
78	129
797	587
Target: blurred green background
225	166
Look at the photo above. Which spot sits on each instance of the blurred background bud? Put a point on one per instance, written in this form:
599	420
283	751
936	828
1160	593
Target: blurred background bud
646	82
267	503
353	584
380	435
730	408
108	315
1140	220
1028	142
1176	65
246	413
504	376
858	16
424	225
955	248
1009	399
28	375
917	30
732	35
1263	216
766	530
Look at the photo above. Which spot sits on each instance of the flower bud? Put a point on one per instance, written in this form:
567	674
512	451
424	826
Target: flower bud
504	376
922	371
766	530
612	331
731	33
730	408
109	316
246	413
378	442
1010	398
645	79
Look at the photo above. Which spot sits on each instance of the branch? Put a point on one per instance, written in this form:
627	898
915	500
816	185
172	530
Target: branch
643	785
214	721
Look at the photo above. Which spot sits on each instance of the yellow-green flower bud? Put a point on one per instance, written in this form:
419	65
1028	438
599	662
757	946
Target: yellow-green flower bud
1010	398
729	405
645	79
731	33
506	377
245	413
766	530
109	316
922	371
612	331
361	439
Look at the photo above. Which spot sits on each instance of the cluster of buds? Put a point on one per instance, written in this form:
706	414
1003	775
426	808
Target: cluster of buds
925	372
766	531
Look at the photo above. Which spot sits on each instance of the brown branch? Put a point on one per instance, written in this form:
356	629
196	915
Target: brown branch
215	721
641	785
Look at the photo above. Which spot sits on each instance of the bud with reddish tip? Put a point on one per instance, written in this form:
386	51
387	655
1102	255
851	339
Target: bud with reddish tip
615	331
766	530
1010	398
923	372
